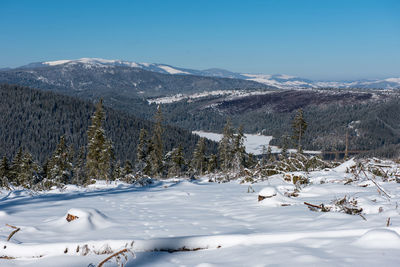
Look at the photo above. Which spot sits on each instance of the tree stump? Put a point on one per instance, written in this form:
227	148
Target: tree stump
71	217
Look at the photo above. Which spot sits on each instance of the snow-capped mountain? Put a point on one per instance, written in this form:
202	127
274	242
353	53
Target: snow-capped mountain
280	81
99	62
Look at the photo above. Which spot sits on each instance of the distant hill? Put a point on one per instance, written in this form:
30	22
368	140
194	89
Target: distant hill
280	81
92	78
35	120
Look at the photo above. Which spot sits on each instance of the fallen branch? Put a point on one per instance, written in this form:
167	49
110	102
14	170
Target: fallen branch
312	205
320	207
116	254
378	186
182	249
13	232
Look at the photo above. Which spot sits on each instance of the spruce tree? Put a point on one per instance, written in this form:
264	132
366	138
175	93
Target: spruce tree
142	150
79	170
157	144
225	147
212	163
239	151
4	167
59	167
16	167
148	166
264	157
299	126
4	172
118	171
269	156
177	162
285	145
199	162
99	149
128	168
28	171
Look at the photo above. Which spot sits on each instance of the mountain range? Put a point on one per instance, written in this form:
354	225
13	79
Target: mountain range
280	81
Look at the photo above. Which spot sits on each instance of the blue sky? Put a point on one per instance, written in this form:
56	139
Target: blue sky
313	39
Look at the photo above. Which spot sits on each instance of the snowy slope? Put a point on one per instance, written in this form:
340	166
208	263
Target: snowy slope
224	221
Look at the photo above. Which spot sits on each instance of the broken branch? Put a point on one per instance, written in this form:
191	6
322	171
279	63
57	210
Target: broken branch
13	232
112	256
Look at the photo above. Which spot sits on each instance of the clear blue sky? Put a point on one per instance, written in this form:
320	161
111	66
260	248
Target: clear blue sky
321	39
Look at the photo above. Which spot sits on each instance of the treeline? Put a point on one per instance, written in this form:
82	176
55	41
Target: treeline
96	161
35	120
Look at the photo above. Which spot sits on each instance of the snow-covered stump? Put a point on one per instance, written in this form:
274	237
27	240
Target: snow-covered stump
267	192
272	197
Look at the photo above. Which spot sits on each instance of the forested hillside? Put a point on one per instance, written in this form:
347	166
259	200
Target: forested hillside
35	120
368	117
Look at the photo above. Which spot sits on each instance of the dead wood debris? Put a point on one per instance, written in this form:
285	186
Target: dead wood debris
345	205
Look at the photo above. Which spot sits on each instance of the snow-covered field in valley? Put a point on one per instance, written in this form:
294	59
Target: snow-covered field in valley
254	142
200	223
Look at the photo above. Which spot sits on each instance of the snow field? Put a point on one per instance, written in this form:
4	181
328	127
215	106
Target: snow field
229	226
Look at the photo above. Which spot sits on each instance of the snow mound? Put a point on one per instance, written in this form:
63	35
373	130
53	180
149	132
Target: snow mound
86	219
345	165
268	192
3	213
271	197
379	238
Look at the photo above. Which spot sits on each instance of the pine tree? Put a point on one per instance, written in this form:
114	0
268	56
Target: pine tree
239	151
118	171
59	167
269	156
128	169
79	170
4	167
177	162
16	167
99	151
212	163
106	160
142	150
199	162
148	166
225	147
157	144
285	145
299	126
28	171
264	156
4	172
251	161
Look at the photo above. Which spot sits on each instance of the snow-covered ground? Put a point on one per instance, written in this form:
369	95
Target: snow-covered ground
230	94
224	221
